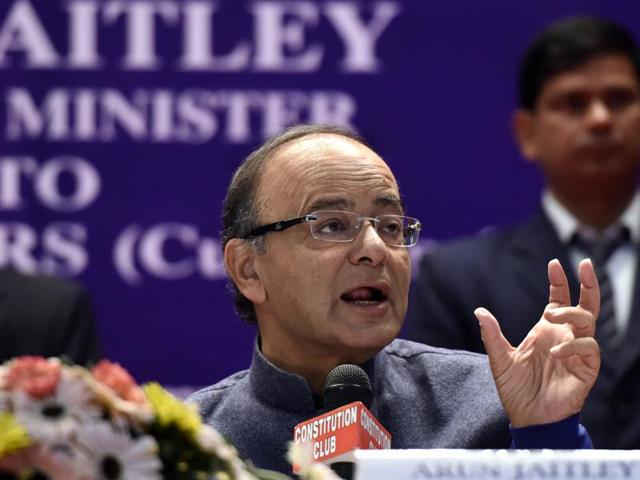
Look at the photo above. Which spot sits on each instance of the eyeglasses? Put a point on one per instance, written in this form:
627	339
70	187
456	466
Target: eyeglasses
341	226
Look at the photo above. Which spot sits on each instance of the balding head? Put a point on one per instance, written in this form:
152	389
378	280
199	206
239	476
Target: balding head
241	205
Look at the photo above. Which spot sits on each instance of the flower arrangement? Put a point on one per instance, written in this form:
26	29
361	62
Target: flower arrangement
66	422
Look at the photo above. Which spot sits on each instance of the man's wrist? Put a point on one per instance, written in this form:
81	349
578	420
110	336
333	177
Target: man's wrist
566	434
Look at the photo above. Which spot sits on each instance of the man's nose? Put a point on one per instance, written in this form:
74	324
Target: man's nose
368	247
599	115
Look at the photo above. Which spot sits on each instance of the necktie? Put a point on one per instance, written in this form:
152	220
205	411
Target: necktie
599	249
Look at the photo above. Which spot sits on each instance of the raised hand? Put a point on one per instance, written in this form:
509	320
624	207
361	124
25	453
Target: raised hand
548	376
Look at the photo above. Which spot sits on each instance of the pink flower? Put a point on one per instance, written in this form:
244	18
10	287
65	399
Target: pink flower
119	380
37	376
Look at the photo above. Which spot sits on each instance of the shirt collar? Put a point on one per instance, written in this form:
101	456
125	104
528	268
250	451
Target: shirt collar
285	390
566	224
562	219
631	218
277	387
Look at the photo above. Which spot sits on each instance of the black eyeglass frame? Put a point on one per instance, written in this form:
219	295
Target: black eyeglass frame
279	226
284	224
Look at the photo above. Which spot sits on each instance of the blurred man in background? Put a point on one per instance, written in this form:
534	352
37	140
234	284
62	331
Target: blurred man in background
579	121
45	316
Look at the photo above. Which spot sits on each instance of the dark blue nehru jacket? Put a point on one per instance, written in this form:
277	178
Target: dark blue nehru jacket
426	397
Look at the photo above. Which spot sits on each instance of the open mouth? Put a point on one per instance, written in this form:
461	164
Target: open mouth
364	296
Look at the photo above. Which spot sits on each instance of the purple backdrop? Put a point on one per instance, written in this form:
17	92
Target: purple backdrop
122	121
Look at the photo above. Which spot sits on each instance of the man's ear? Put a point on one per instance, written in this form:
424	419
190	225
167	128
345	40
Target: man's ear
239	258
524	126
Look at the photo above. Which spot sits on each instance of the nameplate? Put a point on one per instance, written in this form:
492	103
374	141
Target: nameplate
441	464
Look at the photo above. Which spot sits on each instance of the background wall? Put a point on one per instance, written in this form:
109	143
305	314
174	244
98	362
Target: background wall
121	123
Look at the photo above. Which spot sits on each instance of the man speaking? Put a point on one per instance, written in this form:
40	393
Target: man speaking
316	244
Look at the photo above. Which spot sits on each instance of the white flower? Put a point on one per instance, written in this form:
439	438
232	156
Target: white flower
56	418
114	455
302	456
211	441
56	462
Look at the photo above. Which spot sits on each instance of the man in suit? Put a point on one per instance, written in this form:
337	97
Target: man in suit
45	316
579	122
316	243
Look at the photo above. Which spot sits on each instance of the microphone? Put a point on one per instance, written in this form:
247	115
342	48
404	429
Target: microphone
347	423
345	384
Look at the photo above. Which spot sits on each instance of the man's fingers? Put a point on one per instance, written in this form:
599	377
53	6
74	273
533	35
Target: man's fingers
497	347
559	295
582	320
589	288
587	348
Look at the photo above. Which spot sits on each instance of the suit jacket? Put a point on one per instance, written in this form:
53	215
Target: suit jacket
506	272
45	316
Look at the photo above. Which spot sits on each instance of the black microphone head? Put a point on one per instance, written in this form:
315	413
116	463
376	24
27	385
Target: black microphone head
345	384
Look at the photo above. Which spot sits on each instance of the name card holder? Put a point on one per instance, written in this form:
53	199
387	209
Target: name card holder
442	464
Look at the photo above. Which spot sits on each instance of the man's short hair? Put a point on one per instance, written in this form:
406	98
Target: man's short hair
568	44
240	206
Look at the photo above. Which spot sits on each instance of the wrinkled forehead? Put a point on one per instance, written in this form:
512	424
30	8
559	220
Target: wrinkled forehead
323	165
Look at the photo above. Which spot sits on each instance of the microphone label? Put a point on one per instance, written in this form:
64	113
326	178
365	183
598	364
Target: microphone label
341	431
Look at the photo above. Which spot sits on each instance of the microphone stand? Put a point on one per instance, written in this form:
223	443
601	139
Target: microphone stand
343	469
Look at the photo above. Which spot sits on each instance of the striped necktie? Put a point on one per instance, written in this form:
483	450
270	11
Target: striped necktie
599	249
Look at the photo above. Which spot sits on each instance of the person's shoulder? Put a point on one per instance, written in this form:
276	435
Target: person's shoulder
450	369
218	389
208	399
443	384
406	350
37	285
472	256
486	240
448	373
